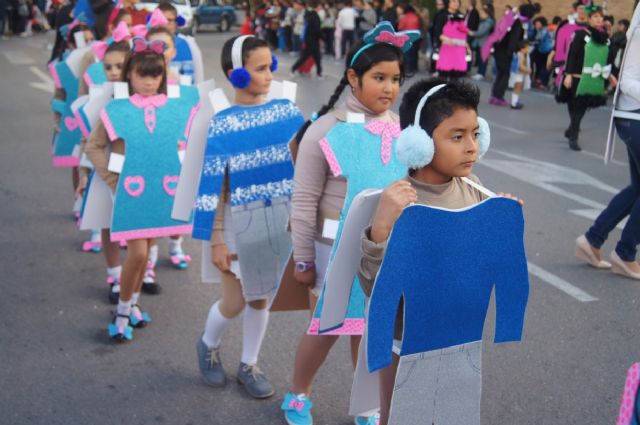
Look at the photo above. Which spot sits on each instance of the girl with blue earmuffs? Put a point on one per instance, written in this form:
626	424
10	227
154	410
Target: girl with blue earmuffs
441	140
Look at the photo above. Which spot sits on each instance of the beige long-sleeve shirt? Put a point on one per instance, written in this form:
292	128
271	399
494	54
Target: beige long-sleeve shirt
316	192
97	151
453	195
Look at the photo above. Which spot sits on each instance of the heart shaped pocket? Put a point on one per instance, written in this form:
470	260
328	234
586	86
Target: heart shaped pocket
134	185
71	123
170	184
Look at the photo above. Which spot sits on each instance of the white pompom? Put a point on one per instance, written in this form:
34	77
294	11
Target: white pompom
414	147
484	138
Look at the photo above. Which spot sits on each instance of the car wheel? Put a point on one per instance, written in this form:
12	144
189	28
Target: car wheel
225	24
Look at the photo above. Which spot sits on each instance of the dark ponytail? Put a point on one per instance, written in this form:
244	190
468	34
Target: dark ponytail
379	52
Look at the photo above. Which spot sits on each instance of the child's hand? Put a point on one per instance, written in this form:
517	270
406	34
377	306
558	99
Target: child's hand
82	185
510	196
613	80
394	199
220	257
567	82
307	278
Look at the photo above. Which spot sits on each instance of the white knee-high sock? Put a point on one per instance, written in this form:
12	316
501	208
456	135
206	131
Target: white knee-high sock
514	99
215	326
153	254
254	326
175	245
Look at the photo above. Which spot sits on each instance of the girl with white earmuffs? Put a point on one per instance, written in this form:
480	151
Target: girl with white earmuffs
441	140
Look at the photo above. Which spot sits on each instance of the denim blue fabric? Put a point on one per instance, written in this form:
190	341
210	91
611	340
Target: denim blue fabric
625	203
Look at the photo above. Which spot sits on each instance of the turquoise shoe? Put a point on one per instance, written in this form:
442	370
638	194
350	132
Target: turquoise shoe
297	409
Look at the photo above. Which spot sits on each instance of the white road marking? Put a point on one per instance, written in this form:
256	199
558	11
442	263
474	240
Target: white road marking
511	129
17	57
595	155
560	284
45	83
592	214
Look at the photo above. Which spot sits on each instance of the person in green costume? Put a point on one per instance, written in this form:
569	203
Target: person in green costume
588	67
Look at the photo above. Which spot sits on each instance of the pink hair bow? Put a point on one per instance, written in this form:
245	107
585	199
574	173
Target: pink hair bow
141	45
120	33
397	40
157	19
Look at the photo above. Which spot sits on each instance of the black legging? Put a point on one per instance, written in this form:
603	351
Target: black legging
503	69
576	113
307	52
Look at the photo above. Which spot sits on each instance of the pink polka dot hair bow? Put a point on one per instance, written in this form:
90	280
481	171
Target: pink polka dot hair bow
140	45
385	33
120	33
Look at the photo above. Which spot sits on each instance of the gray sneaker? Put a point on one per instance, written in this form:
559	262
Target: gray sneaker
210	365
254	381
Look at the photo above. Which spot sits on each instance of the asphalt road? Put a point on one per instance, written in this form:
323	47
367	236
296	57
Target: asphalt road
57	365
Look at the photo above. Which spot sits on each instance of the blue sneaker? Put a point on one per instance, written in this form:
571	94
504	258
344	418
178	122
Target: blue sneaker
367	420
297	409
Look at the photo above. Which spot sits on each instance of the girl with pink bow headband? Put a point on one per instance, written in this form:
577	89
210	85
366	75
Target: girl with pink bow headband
374	71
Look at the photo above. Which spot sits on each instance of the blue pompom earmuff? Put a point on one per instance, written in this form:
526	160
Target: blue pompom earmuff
274	63
240	77
415	147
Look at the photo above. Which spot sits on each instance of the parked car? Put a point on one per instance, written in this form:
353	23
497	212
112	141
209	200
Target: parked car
184	10
211	13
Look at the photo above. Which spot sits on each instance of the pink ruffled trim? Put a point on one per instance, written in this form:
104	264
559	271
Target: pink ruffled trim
54	75
151	233
111	132
66	161
83	128
194	111
87	79
629	395
330	156
349	327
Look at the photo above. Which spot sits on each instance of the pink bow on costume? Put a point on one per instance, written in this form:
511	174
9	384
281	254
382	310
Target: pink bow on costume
397	40
157	19
120	33
388	131
297	405
149	103
141	45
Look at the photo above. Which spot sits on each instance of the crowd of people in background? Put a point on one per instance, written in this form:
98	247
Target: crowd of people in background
329	28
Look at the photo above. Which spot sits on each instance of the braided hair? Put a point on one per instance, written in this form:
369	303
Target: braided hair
379	52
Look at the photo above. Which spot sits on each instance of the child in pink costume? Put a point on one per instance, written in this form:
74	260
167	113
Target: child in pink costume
452	62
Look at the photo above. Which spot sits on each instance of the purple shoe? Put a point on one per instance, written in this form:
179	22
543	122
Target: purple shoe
500	102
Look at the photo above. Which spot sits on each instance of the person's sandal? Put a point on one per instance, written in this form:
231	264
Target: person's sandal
179	259
585	253
120	333
139	320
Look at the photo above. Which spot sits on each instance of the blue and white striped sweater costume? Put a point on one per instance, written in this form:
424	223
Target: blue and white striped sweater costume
252	141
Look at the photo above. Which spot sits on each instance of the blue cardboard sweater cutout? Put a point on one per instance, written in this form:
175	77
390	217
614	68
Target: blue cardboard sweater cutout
69	136
253	142
154	129
183	59
365	155
445	265
95	74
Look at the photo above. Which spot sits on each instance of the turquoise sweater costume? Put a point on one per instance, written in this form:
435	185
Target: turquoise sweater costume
154	129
